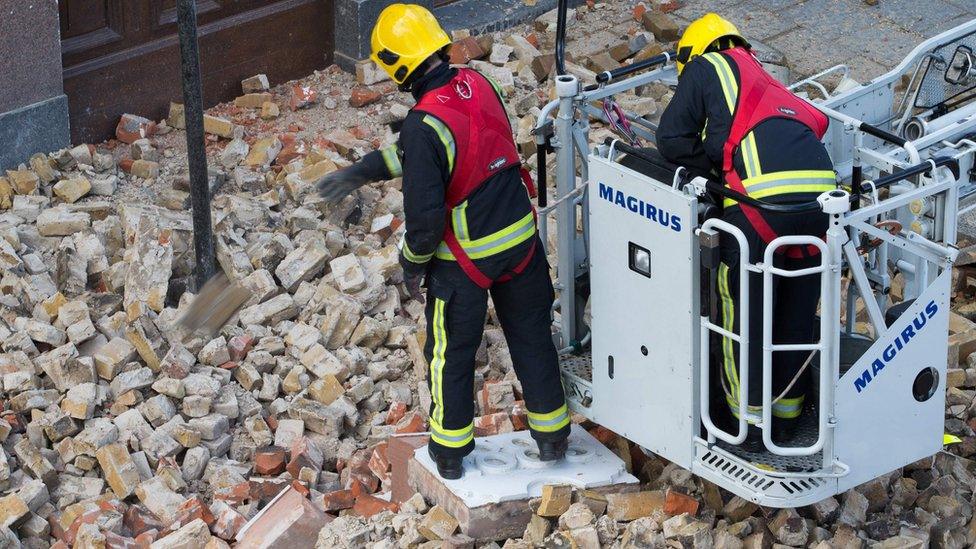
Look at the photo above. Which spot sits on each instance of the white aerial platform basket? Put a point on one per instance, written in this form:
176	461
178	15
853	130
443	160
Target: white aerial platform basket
633	247
643	376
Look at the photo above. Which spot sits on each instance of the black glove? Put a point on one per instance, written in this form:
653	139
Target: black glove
412	284
336	185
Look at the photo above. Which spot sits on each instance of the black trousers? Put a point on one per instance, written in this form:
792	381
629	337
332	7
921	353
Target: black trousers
456	310
794	310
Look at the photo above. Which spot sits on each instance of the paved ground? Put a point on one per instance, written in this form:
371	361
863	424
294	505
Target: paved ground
816	34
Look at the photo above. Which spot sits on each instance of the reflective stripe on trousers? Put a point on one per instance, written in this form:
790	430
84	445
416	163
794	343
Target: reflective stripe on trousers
550	422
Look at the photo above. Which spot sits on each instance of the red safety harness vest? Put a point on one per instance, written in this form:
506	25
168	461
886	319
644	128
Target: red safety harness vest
469	106
761	97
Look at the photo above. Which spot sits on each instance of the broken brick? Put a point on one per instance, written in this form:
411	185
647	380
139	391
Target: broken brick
362	96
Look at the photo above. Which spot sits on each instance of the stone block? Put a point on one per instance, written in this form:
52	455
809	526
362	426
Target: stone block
119	469
61	222
303	264
70	190
255	84
220	127
112	356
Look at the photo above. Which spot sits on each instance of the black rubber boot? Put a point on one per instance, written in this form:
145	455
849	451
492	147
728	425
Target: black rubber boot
449	468
754	441
784	430
552	450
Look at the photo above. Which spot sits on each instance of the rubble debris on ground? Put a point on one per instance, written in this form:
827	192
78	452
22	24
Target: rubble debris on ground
119	429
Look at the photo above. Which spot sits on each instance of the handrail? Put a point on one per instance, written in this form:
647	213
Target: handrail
742	338
823	346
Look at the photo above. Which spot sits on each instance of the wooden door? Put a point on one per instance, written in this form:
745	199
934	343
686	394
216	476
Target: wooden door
123	55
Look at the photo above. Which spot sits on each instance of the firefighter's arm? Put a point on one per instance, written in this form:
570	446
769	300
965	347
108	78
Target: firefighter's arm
679	136
378	165
426	172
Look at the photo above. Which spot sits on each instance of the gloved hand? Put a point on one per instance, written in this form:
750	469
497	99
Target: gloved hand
412	284
336	185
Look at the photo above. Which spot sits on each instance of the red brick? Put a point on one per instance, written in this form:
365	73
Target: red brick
292	148
668	7
236	494
493	424
137	519
270	460
131	128
90	517
239	346
396	412
378	462
146	539
192	509
465	50
411	423
126	165
519	416
115	541
359	132
302	96
367	506
265	489
292	521
604	435
362	96
230	365
359	471
229	522
304	453
533	39
338	500
676	503
639	10
400	451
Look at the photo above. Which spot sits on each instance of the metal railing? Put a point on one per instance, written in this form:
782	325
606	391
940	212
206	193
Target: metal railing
823	345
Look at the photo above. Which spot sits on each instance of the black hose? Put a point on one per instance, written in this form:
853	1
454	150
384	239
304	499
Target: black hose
882	134
561	37
651	62
721	190
917	169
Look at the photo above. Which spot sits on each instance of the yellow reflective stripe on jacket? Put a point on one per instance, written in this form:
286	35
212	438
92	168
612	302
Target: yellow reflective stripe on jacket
446	137
750	155
451	438
419	259
391	157
437	362
459	218
730	88
787	182
495	243
551	422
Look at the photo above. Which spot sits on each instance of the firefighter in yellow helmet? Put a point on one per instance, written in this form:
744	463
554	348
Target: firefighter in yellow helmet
470	229
729	118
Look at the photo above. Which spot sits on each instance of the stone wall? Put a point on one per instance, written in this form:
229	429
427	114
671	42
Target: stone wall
33	107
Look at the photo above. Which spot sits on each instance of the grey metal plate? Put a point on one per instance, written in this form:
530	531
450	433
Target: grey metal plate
806	434
934	89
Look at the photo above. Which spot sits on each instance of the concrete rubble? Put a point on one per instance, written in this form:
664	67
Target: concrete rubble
294	424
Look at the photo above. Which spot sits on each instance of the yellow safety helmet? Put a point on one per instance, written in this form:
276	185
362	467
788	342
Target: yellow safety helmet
405	36
702	34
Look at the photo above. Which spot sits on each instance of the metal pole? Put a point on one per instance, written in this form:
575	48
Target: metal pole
203	245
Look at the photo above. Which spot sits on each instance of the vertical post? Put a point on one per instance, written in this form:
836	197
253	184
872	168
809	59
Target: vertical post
567	86
203	246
